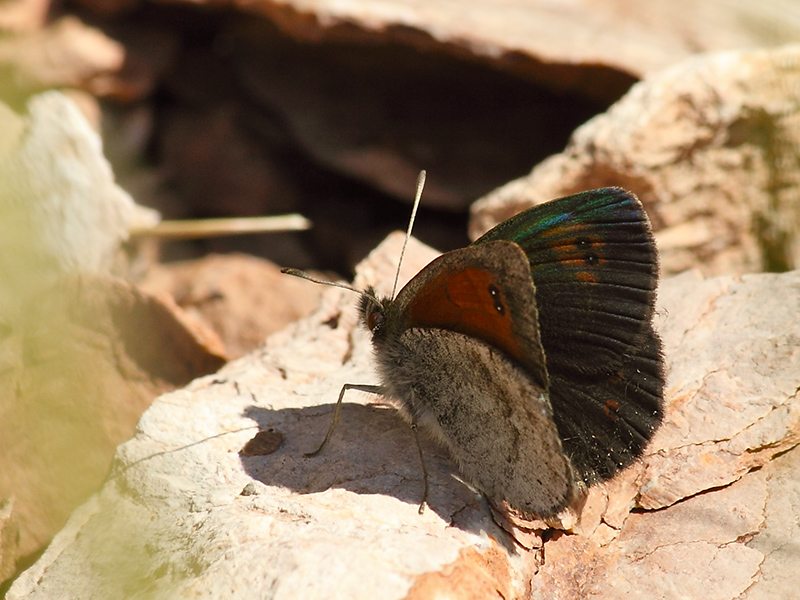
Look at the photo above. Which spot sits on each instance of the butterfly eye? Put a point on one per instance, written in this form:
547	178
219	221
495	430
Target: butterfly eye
494	292
375	320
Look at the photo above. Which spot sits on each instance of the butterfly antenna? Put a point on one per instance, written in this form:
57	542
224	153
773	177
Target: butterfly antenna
417	198
344	286
304	275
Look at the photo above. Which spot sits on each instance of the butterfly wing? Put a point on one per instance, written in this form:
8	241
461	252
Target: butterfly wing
605	420
595	268
594	265
484	292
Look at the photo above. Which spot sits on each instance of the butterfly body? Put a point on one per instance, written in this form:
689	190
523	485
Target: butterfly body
530	355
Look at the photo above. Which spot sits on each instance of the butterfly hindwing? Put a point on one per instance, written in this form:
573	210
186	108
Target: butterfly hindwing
605	421
459	347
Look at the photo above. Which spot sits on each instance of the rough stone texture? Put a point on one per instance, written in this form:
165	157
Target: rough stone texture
61	210
725	421
695	549
778	539
243	298
185	515
712	148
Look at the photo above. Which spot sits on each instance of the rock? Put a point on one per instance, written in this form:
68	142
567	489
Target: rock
710	146
710	545
62	211
81	354
382	116
9	538
581	40
23	15
77	369
66	53
725	421
376	91
342	105
531	74
243	298
184	513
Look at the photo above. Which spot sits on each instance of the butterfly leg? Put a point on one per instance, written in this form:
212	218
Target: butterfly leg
372	389
424	501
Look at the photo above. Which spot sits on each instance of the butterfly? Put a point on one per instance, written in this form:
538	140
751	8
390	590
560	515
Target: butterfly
531	355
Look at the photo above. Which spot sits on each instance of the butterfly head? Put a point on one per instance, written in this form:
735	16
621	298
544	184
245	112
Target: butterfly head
373	311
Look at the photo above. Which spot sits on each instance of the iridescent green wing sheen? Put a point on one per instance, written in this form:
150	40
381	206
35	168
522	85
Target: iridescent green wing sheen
595	268
594	265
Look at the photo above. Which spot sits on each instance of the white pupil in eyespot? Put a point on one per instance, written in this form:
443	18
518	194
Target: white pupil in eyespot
497	298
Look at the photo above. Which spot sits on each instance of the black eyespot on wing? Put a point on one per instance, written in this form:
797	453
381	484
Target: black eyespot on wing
497	298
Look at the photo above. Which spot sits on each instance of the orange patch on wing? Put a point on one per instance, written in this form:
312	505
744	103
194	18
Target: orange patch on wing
611	407
574	251
586	277
569	227
461	302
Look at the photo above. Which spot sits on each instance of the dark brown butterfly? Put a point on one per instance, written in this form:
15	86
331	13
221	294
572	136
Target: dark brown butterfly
530	355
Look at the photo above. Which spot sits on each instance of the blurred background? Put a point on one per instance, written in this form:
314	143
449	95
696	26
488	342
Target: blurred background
234	108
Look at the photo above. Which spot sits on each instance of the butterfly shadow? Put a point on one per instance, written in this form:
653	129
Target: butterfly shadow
372	451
